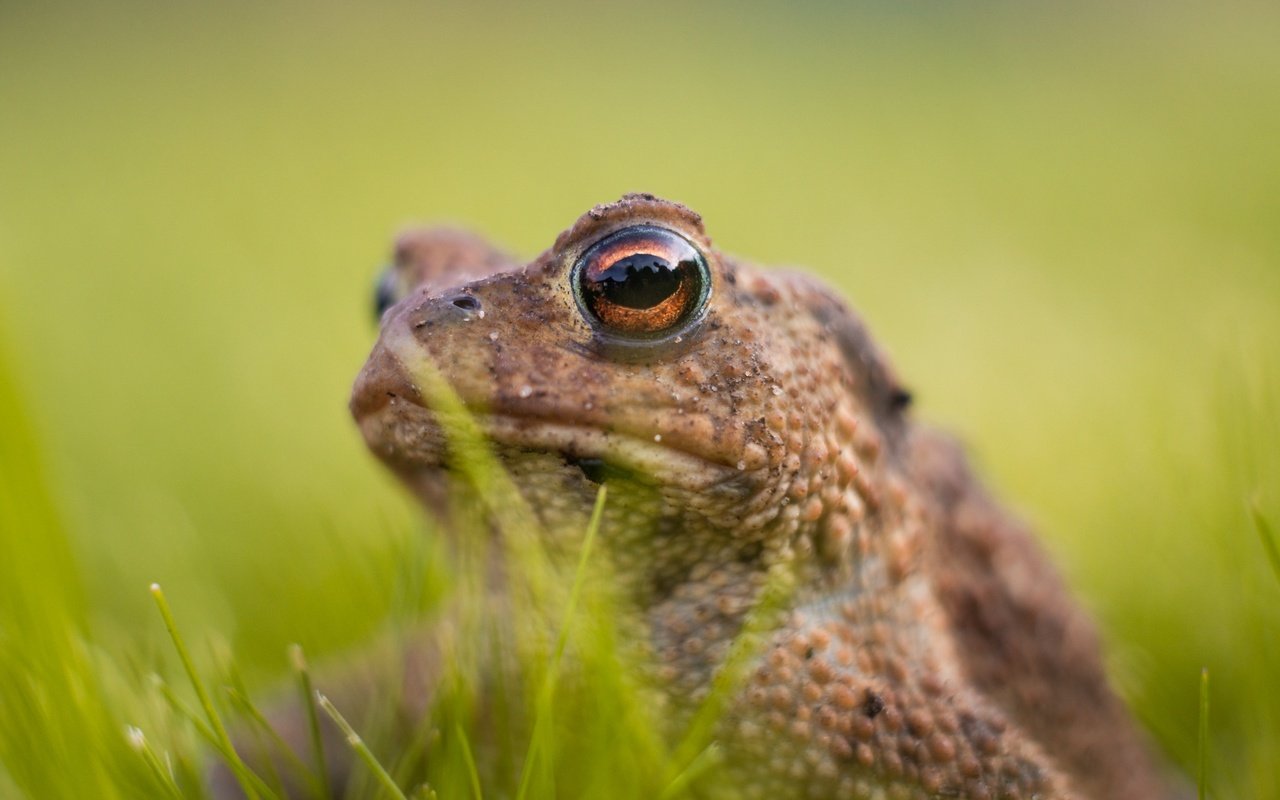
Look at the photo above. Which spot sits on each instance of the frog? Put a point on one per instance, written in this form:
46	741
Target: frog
752	434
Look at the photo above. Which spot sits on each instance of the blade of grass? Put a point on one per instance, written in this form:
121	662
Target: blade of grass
189	714
481	469
204	731
546	693
466	440
472	773
241	702
579	576
731	674
1267	535
362	750
413	753
236	695
540	583
705	760
1202	777
244	776
300	669
138	741
60	724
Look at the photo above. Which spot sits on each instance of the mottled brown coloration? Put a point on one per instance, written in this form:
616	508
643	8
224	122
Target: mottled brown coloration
927	649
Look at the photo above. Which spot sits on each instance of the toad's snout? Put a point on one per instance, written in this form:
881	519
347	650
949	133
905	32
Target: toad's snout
382	380
405	335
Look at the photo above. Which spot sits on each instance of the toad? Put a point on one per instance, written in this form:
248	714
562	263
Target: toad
748	426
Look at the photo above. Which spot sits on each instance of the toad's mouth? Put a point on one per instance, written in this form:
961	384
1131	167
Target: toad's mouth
414	441
399	391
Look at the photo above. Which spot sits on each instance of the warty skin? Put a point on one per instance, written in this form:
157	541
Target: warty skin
926	647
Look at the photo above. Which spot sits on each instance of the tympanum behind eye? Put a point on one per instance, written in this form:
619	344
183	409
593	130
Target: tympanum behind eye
643	282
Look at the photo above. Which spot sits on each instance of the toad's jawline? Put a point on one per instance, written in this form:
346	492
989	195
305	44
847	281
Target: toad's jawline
650	458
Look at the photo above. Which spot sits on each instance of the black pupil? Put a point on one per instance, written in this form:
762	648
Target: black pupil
640	281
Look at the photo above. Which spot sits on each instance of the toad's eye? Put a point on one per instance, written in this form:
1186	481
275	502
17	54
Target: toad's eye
386	292
642	282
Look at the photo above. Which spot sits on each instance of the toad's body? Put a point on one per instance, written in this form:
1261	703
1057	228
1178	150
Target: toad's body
927	648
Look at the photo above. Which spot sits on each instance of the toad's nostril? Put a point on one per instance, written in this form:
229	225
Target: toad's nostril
466	302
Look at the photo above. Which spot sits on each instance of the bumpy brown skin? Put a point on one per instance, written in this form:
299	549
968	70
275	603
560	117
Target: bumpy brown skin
928	649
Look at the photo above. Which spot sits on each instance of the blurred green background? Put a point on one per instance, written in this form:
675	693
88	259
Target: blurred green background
1062	221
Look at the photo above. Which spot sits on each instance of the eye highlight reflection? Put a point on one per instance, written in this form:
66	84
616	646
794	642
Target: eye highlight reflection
642	282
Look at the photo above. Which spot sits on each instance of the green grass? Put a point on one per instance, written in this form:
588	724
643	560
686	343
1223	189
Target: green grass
1060	222
1202	771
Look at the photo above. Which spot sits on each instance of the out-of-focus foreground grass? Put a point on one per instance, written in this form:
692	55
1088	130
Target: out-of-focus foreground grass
1064	223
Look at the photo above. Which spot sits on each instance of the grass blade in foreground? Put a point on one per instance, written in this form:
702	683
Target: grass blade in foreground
61	733
604	724
253	786
1202	776
470	760
299	661
1267	535
538	745
138	740
366	755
